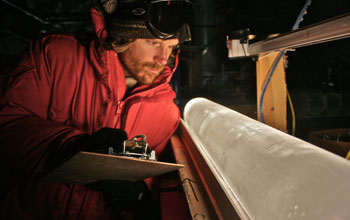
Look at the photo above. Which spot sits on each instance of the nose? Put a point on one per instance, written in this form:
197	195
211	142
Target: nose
162	56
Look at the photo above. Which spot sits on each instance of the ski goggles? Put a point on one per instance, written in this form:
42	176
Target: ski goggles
164	19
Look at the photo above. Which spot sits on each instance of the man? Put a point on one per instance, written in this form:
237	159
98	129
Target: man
64	97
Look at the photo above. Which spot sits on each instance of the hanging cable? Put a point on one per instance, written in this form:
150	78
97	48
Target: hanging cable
292	111
278	58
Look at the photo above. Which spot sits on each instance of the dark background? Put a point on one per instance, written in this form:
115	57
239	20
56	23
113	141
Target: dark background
318	77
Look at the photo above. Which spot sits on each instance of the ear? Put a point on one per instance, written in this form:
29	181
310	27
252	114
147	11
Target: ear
109	5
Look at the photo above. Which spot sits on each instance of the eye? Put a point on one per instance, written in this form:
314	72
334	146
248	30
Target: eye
154	43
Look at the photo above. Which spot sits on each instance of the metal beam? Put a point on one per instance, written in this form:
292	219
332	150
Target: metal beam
328	30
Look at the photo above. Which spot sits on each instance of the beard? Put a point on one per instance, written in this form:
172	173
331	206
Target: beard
144	72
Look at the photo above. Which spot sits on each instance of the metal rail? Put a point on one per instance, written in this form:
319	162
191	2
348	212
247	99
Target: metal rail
328	30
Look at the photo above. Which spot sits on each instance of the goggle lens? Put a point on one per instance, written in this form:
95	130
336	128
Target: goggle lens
169	16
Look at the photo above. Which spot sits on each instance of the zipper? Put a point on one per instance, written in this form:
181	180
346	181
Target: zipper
118	112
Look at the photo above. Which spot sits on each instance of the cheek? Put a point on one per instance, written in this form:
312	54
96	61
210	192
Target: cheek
144	55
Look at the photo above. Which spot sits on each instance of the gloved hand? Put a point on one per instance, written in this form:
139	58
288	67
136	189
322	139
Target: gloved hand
128	197
99	141
104	138
125	191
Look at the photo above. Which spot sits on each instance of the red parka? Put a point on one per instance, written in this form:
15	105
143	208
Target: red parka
59	90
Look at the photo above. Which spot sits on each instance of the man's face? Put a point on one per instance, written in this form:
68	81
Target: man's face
146	58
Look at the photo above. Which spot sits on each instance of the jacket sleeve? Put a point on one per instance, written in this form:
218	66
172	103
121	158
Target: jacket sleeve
29	142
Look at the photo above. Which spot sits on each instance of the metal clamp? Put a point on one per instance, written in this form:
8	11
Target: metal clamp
137	147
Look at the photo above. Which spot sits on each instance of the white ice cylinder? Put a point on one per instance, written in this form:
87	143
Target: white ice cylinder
265	173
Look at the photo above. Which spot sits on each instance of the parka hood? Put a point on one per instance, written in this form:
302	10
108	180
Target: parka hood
99	24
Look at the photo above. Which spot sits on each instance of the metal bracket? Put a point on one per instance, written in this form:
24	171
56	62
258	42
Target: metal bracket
136	147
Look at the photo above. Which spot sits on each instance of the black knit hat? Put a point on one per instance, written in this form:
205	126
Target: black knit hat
130	19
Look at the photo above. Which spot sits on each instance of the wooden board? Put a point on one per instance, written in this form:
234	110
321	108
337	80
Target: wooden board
275	100
86	167
197	198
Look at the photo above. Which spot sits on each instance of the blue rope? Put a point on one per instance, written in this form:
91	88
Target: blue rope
278	58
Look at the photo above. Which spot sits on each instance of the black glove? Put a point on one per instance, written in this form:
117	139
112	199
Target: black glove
128	197
99	141
104	138
126	192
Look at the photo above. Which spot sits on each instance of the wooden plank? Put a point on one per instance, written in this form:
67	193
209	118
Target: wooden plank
87	167
275	99
197	198
216	194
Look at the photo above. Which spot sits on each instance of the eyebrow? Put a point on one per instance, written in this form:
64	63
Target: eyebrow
161	41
